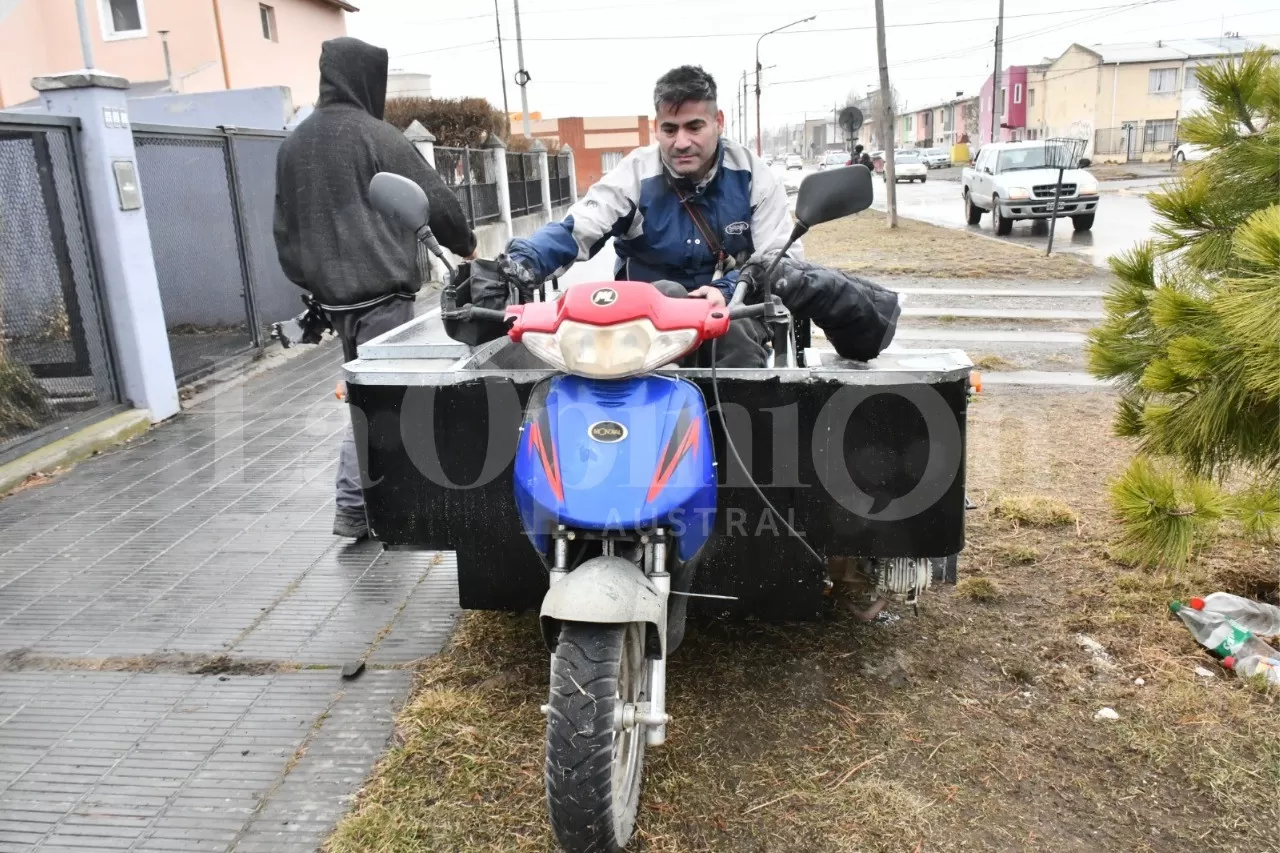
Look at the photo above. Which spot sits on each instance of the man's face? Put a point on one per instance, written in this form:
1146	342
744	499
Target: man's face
688	137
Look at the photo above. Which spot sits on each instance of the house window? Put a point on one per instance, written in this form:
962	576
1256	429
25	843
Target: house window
122	19
268	16
1160	131
1031	97
1017	93
609	160
1191	80
1162	80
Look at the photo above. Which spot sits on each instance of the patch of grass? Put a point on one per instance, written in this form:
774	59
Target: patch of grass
980	589
864	245
1017	553
1034	510
991	361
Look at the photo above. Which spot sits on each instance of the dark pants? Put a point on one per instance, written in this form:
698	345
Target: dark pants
742	346
355	328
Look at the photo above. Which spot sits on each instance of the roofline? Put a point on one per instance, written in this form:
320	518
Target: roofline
1183	58
341	4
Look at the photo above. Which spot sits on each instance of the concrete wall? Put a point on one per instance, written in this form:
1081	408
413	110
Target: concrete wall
268	108
42	37
492	239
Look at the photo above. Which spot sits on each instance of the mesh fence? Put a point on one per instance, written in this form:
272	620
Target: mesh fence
54	356
1135	139
195	240
275	298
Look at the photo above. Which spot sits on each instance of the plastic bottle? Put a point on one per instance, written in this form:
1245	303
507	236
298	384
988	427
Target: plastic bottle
1248	667
1220	635
1256	616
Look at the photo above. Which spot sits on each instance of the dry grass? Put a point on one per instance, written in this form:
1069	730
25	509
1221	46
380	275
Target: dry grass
991	361
967	727
1035	510
863	245
979	588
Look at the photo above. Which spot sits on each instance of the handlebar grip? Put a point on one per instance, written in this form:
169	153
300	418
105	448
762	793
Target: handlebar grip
487	314
737	312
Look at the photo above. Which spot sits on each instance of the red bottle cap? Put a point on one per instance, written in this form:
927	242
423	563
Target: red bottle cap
1197	603
1229	662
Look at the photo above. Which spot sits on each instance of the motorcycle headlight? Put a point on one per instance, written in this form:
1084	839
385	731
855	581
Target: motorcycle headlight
1019	193
609	352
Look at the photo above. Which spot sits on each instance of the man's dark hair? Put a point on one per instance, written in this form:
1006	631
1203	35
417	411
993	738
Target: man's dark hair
682	85
857	149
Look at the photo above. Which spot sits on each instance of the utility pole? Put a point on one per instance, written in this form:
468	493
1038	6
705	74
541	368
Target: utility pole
743	130
997	76
522	76
886	116
502	69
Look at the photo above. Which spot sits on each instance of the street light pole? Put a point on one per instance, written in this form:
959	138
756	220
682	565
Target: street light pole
742	130
758	69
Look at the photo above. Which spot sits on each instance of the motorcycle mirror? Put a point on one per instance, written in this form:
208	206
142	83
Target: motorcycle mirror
832	194
401	199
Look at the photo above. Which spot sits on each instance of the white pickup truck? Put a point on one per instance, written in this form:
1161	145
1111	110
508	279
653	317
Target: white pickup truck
1011	180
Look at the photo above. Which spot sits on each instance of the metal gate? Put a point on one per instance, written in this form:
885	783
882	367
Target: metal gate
56	363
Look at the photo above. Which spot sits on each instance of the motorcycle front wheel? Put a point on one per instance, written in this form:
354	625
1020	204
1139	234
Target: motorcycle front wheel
594	765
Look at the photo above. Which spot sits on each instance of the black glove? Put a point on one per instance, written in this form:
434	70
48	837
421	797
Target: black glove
517	273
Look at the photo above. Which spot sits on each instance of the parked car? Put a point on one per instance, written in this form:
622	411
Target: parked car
1014	181
937	158
909	166
795	161
1187	152
832	159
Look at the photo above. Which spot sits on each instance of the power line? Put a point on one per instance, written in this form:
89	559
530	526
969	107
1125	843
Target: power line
1114	10
489	42
947	22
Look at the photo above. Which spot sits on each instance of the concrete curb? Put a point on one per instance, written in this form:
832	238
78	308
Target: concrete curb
72	448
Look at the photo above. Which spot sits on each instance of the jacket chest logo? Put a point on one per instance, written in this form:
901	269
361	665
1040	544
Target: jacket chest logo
733	229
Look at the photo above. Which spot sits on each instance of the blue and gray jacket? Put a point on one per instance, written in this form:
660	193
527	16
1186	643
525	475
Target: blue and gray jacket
637	203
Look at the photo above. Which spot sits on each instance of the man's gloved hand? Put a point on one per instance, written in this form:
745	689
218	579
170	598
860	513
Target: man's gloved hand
525	279
785	274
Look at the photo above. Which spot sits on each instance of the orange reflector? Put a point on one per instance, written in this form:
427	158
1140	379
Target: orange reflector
340	390
975	381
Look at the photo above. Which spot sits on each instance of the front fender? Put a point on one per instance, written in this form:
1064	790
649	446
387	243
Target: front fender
605	590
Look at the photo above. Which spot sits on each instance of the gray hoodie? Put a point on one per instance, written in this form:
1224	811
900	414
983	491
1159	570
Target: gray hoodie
329	239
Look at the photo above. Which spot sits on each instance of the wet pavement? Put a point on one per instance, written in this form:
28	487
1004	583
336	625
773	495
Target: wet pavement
174	618
1124	216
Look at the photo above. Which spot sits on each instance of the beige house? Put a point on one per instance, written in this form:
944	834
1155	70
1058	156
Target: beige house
1126	99
213	44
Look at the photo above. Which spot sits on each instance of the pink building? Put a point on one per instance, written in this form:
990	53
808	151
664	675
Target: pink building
1012	122
213	44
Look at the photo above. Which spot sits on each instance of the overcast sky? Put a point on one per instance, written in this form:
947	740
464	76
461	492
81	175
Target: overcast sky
602	58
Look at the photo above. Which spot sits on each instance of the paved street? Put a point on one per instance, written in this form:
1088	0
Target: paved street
1124	216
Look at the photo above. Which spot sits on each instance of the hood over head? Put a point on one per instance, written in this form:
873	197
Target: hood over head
353	72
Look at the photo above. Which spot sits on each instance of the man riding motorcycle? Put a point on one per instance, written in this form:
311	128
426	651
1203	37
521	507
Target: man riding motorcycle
684	213
689	214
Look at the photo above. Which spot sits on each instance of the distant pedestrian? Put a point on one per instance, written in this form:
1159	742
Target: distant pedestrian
861	157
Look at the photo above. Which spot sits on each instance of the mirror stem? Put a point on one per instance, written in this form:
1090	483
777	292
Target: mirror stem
797	232
429	239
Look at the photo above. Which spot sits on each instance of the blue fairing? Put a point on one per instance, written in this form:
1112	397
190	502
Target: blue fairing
661	473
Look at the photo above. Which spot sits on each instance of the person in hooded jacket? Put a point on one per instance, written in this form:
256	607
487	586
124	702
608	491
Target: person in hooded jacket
359	266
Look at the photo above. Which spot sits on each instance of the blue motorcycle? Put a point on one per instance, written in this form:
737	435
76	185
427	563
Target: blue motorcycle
615	485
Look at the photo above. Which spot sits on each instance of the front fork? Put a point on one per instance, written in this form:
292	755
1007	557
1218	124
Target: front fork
651	714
